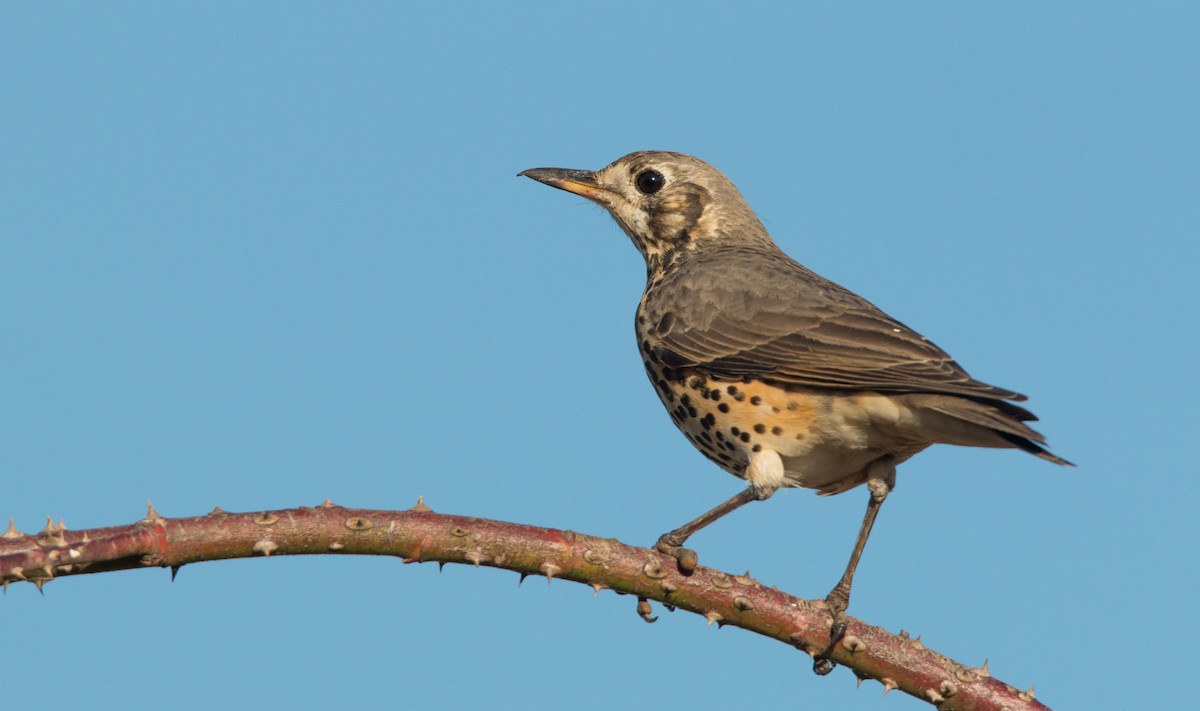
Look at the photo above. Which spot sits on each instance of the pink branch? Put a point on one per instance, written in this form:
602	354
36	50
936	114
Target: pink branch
418	535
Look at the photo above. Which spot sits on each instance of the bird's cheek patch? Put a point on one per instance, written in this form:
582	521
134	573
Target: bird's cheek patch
674	219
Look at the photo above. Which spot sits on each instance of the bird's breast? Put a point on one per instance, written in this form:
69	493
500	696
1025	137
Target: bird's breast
825	439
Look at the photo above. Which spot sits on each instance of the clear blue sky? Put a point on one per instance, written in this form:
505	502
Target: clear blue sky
260	254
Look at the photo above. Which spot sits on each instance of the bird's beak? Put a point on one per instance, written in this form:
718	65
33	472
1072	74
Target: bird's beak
580	182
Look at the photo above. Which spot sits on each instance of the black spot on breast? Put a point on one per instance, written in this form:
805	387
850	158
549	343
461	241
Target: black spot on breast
672	375
760	428
665	323
745	436
708	421
756	400
723	407
756	448
777	430
734	431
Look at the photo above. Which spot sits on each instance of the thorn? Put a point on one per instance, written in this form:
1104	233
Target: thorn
853	644
713	616
152	515
903	635
983	670
522	578
888	685
12	531
217	511
4	585
266	547
40	583
474	556
1027	695
596	588
51	536
947	688
934	697
61	526
358	523
327	504
421	507
441	565
175	571
916	643
550	570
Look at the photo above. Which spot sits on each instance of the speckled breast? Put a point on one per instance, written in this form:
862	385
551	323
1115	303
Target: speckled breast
728	420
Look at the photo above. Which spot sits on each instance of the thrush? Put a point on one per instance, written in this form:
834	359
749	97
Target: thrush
777	375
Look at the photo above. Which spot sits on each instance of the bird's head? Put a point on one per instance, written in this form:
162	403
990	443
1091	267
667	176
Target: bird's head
668	203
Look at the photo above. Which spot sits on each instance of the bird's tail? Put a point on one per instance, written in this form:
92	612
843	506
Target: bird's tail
982	423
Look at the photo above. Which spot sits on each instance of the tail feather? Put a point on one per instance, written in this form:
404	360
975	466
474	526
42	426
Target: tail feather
1003	420
1024	444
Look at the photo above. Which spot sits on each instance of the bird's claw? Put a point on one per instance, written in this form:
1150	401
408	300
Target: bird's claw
685	558
837	601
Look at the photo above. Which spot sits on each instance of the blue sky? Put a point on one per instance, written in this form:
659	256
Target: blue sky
259	254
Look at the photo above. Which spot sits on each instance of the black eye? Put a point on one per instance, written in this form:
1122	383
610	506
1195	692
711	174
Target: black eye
649	181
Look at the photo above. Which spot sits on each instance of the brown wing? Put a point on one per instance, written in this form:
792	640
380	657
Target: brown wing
736	313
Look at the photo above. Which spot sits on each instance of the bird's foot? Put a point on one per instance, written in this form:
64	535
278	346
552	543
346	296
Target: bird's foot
685	558
836	602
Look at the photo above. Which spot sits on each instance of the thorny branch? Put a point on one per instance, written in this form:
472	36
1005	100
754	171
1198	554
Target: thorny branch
419	535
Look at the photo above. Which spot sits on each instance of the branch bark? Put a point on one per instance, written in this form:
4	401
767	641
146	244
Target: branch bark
419	535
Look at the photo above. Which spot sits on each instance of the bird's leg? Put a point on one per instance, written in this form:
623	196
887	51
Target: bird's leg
881	479
672	543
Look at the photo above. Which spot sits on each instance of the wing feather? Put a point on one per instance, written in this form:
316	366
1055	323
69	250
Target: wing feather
769	317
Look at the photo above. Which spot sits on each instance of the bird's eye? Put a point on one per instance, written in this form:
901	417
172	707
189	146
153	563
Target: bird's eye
649	182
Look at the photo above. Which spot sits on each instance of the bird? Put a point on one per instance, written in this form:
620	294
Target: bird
776	374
